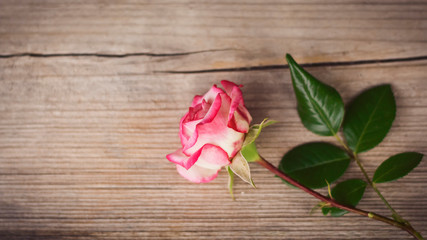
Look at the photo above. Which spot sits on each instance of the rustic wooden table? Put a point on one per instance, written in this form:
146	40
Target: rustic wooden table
91	93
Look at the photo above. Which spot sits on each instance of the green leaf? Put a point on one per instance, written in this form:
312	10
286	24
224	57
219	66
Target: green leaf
230	181
320	106
249	150
313	163
320	205
255	131
369	118
349	192
326	210
240	167
397	166
250	153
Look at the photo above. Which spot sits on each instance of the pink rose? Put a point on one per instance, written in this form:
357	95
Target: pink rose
211	132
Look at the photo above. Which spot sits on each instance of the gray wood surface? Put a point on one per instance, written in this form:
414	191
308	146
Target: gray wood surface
91	93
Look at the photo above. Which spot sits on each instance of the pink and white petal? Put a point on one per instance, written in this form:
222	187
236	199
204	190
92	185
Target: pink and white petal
193	117
202	110
228	86
212	157
211	126
212	93
238	123
235	119
237	145
183	134
245	113
179	158
226	138
198	174
206	106
236	98
214	110
196	100
216	132
192	111
188	129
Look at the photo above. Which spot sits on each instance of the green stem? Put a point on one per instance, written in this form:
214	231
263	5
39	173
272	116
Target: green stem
342	143
395	215
368	179
333	203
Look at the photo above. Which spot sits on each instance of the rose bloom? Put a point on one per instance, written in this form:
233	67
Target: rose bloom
211	132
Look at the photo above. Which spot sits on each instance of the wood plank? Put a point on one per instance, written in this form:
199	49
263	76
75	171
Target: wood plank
249	32
89	107
83	143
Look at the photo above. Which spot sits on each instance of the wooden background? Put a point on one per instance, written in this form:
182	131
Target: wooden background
91	93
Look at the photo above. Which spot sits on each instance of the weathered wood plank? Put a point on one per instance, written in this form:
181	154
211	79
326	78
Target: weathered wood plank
251	33
83	136
83	143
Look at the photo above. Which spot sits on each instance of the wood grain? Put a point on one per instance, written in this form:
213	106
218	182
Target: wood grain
83	137
243	33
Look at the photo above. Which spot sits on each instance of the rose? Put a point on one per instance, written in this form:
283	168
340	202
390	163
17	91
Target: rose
211	132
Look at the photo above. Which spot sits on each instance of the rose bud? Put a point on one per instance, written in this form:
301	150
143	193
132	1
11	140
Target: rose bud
211	132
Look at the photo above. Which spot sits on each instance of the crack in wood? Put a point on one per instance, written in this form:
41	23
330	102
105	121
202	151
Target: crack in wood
285	66
236	69
107	55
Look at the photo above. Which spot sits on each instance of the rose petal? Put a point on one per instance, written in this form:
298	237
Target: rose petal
212	93
185	161
198	174
192	111
209	117
184	134
213	110
216	133
212	157
238	116
226	138
245	113
228	86
208	156
238	122
187	130
196	100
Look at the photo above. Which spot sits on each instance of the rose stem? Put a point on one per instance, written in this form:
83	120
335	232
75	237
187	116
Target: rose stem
334	203
395	215
368	179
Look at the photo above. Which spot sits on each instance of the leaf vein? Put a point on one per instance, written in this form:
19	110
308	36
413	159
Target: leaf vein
318	164
319	110
369	121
